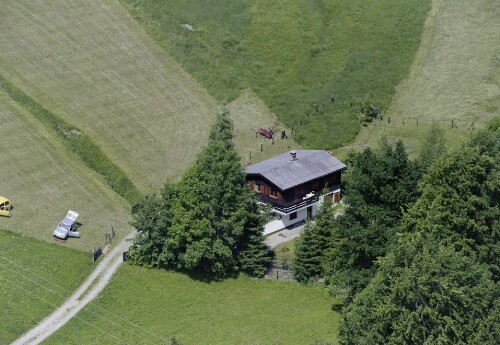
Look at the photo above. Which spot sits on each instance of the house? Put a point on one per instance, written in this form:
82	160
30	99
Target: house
294	184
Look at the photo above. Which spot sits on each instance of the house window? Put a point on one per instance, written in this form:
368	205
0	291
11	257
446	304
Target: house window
293	215
273	194
256	187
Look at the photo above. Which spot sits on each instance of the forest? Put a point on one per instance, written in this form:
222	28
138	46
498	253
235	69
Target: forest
414	258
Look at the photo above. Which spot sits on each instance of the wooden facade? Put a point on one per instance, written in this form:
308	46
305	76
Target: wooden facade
270	193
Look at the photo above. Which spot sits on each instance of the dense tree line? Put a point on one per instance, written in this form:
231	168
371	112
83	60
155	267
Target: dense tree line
208	223
379	187
418	265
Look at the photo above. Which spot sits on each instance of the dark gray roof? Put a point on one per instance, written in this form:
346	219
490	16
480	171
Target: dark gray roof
285	174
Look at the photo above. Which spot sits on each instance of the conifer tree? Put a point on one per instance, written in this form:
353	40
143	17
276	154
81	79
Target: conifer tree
152	223
214	225
424	293
380	186
313	244
440	283
433	147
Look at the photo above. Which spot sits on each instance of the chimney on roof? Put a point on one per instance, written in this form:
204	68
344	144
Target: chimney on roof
293	156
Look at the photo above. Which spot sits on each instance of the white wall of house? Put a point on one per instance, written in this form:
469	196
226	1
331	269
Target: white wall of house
285	221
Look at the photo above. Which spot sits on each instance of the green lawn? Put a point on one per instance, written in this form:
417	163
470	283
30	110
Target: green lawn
142	306
293	54
456	76
35	277
249	113
285	252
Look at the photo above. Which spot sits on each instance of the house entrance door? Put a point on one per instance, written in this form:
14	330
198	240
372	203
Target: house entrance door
309	212
336	197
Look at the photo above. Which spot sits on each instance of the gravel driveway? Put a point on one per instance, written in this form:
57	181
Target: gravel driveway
89	289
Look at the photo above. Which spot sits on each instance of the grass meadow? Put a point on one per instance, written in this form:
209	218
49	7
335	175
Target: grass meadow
249	113
44	180
142	306
90	64
77	142
295	55
35	277
455	76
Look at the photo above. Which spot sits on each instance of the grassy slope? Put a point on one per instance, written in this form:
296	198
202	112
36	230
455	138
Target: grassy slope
44	181
89	63
293	54
241	311
456	76
77	142
249	114
34	278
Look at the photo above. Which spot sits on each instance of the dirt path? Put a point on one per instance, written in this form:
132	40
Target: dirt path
90	288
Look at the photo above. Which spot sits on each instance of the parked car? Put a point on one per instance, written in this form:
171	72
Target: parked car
67	227
5	207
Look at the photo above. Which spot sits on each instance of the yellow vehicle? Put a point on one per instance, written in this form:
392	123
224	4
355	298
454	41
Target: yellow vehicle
5	206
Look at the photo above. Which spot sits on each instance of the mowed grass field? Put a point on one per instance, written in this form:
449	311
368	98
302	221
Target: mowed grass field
295	55
249	113
44	181
90	64
456	76
35	277
142	306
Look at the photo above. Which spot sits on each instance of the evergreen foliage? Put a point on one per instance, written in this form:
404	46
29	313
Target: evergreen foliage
423	293
313	244
433	147
440	283
209	223
460	204
152	223
380	187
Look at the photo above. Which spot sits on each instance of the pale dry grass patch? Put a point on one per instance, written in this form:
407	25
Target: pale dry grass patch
44	181
89	63
456	76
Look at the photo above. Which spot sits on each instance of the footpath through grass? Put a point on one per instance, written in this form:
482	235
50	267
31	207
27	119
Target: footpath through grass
295	55
35	277
142	306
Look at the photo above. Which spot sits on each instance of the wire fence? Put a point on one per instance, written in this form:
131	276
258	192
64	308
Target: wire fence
99	250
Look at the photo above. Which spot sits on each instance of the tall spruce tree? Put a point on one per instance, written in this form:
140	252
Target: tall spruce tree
214	224
423	293
314	243
433	147
440	284
152	223
380	186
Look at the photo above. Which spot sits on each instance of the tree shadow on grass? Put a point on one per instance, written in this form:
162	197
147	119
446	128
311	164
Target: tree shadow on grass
204	277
